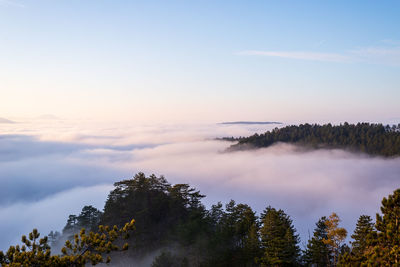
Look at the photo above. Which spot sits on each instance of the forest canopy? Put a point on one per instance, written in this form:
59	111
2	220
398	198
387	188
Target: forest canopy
176	229
373	139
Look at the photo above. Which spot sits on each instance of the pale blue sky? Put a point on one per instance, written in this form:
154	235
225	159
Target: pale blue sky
201	60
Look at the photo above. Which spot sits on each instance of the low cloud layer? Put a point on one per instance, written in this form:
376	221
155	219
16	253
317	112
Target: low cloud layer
54	171
47	214
306	184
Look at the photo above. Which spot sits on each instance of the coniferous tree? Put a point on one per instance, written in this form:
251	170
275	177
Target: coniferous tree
54	238
317	252
385	242
89	218
279	240
245	235
165	214
85	248
374	139
236	241
72	224
363	231
252	246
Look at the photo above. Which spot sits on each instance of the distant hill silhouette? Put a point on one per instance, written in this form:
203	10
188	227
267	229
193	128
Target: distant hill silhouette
251	122
3	120
373	139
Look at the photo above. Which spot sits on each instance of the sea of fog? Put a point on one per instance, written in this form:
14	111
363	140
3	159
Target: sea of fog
50	168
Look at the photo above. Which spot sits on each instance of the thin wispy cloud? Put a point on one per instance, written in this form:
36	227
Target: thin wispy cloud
303	55
379	55
387	54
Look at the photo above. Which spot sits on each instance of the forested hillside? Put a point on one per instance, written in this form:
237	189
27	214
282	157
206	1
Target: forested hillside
373	139
174	227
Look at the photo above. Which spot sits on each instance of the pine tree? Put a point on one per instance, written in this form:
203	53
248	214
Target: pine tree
252	245
364	229
317	252
235	241
54	237
279	240
386	242
72	224
85	248
89	218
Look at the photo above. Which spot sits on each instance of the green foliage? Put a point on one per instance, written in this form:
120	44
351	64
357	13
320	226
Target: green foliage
89	218
317	252
379	246
364	231
384	248
374	139
85	248
72	224
173	217
163	212
235	238
279	240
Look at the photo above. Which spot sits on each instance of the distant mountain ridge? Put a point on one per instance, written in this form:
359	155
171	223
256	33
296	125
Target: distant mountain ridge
251	122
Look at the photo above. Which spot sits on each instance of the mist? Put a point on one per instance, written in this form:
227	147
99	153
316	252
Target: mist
50	170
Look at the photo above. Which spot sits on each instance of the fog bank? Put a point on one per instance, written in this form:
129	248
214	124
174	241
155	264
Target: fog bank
51	170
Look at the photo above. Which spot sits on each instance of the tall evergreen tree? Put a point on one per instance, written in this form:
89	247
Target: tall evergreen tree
236	241
386	242
317	252
72	225
89	218
166	214
252	246
279	240
54	238
364	229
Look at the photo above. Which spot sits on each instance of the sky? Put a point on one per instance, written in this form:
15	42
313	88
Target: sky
100	90
207	61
